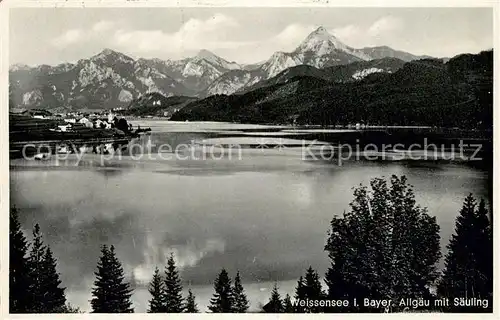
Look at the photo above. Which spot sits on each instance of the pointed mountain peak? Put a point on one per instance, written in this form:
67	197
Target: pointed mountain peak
109	53
320	30
321	42
216	60
322	34
205	54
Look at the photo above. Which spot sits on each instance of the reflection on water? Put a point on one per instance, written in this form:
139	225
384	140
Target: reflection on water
265	215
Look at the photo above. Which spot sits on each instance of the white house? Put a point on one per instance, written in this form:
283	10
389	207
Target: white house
111	115
83	120
65	127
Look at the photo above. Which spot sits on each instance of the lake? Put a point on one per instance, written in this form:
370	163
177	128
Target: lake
260	208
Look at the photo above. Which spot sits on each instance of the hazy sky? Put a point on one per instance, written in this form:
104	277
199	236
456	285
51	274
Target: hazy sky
245	35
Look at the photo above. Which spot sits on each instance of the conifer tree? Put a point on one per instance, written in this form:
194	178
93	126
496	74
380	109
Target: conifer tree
222	300
240	300
111	294
54	299
43	293
484	251
191	306
36	263
18	266
287	304
468	269
275	305
313	288
309	288
173	288
156	289
385	247
300	295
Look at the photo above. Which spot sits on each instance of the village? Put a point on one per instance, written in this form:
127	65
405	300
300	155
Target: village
73	132
101	120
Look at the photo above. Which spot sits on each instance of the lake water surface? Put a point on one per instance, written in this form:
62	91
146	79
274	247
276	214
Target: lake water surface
265	213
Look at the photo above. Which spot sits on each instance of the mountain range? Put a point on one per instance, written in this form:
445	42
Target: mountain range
111	79
429	92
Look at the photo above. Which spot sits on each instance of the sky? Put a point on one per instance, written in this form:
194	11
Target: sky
245	35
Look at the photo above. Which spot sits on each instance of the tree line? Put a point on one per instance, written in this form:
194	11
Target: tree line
386	247
34	284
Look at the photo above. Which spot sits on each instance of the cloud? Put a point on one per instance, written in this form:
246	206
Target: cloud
195	34
293	34
186	255
377	33
286	40
80	36
212	33
103	26
219	33
384	25
69	37
348	32
354	35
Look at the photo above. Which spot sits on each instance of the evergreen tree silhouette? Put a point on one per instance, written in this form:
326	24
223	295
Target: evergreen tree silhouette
54	299
157	303
18	266
385	247
173	288
222	300
36	291
468	271
191	306
44	294
313	288
300	295
287	304
484	252
111	294
240	300
310	290
275	305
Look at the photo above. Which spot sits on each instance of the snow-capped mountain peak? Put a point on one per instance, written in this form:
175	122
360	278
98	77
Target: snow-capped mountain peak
319	49
216	60
278	62
321	42
322	34
112	78
207	55
109	54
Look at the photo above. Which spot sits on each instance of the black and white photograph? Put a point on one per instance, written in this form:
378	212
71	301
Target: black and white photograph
218	159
